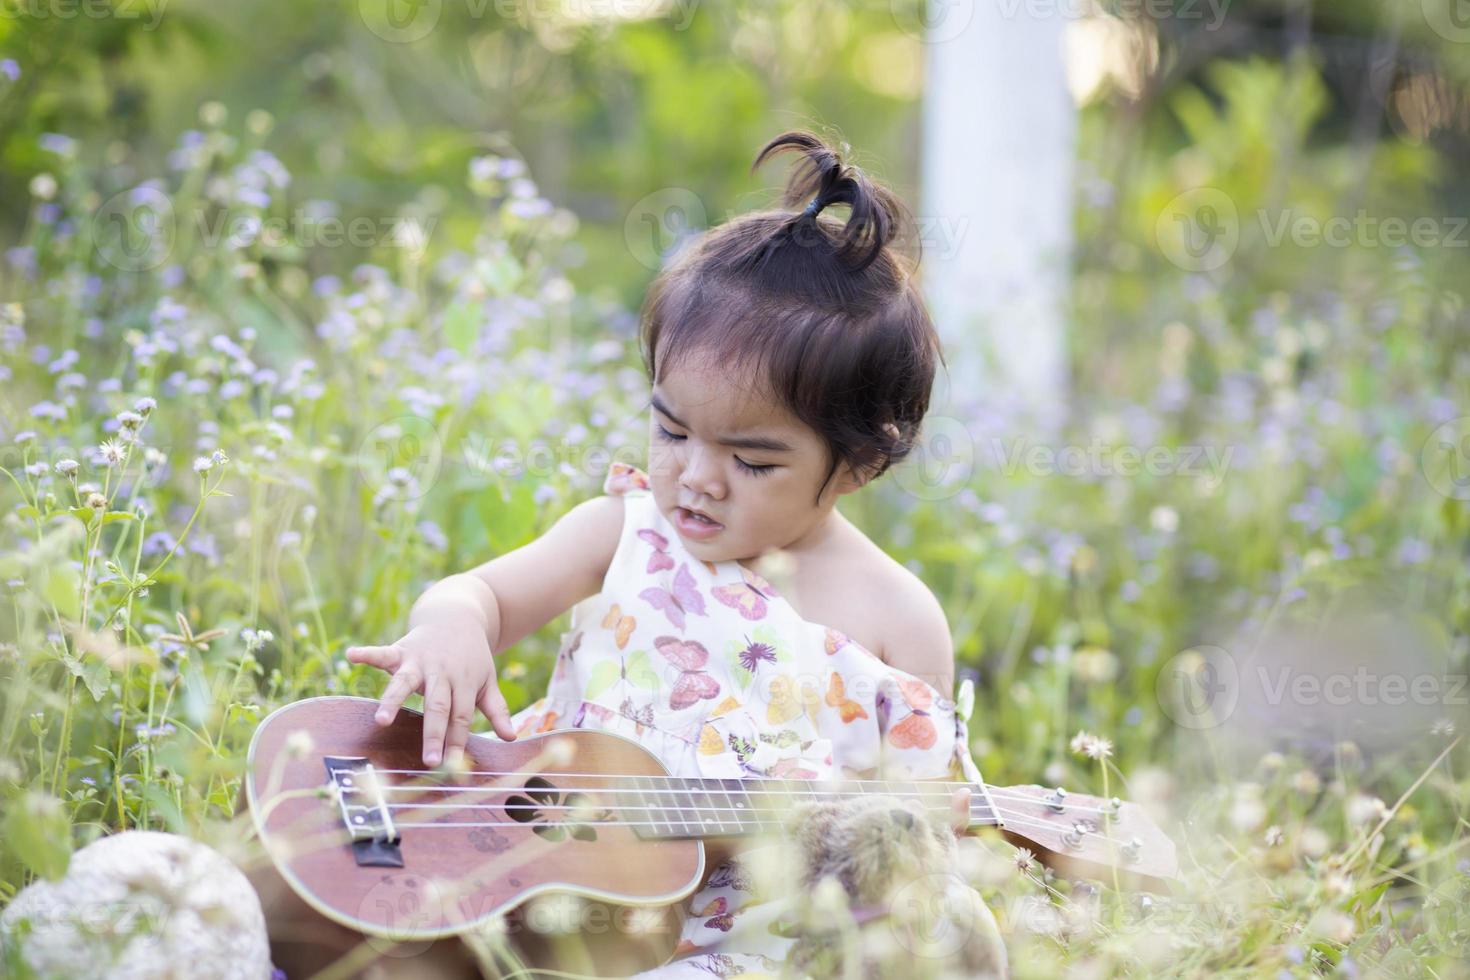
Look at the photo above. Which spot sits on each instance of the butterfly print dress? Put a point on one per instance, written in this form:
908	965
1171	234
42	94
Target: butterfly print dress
713	671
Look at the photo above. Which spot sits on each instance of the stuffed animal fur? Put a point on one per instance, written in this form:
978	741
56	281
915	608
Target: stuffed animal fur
139	905
915	915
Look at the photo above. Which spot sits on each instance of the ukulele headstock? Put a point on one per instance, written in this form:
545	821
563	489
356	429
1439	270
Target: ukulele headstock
1088	830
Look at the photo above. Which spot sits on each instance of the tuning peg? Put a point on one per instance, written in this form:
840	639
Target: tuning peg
1073	837
1113	810
1057	800
1133	850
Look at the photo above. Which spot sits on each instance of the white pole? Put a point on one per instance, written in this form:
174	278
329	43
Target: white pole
996	202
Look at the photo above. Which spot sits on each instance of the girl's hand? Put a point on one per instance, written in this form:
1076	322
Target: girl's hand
959	806
452	665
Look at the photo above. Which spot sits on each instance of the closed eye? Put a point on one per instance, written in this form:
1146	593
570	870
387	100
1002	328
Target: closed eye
754	469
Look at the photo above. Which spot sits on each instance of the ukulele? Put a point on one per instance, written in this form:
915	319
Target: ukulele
369	838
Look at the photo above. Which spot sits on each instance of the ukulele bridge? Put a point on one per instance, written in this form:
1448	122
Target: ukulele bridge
364	811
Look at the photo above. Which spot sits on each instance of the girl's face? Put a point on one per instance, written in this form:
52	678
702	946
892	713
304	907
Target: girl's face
717	446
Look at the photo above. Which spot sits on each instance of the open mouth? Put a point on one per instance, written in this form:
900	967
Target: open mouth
695	525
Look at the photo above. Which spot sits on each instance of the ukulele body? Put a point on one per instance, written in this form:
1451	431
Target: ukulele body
440	881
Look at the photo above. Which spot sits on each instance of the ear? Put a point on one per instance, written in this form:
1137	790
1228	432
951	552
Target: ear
847	479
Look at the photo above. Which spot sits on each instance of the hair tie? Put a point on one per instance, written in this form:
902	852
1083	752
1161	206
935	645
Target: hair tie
814	206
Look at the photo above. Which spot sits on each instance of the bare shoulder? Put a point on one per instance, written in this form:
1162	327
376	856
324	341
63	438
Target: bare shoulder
916	631
913	632
592	529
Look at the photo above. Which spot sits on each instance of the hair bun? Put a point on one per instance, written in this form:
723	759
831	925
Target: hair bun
876	212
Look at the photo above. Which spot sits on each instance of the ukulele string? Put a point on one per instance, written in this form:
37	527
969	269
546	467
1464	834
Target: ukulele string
940	806
775	822
1005	815
927	789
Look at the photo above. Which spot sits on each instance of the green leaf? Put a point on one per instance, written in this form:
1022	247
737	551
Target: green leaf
97	677
509	518
37	832
62	588
162	800
461	325
119	515
502	274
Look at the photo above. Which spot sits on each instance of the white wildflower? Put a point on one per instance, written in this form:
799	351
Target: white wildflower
1091	746
67	467
111	452
43	186
1164	519
1363	808
1247	812
203	464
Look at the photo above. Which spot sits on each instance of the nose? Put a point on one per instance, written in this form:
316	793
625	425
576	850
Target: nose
700	474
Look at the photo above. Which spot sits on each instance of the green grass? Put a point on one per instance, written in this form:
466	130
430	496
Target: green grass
315	451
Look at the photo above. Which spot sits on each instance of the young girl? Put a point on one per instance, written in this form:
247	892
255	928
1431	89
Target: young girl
791	360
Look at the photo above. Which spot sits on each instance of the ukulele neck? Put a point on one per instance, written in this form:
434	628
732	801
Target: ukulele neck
680	808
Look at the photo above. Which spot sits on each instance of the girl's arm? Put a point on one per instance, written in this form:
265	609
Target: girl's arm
461	621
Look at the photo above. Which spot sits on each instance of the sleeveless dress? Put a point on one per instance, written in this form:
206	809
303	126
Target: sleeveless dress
712	670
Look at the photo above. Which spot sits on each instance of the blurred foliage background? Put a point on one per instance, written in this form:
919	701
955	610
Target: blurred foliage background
286	440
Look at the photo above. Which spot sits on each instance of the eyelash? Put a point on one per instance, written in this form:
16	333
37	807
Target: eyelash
668	436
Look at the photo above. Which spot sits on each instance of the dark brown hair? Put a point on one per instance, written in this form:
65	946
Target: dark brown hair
827	312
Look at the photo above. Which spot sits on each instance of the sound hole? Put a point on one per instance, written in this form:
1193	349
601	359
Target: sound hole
547	809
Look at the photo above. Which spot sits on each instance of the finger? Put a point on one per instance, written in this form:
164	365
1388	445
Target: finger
492	703
960	804
384	658
405	681
437	704
461	714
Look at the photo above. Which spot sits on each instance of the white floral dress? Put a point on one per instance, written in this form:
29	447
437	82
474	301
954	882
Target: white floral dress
713	671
